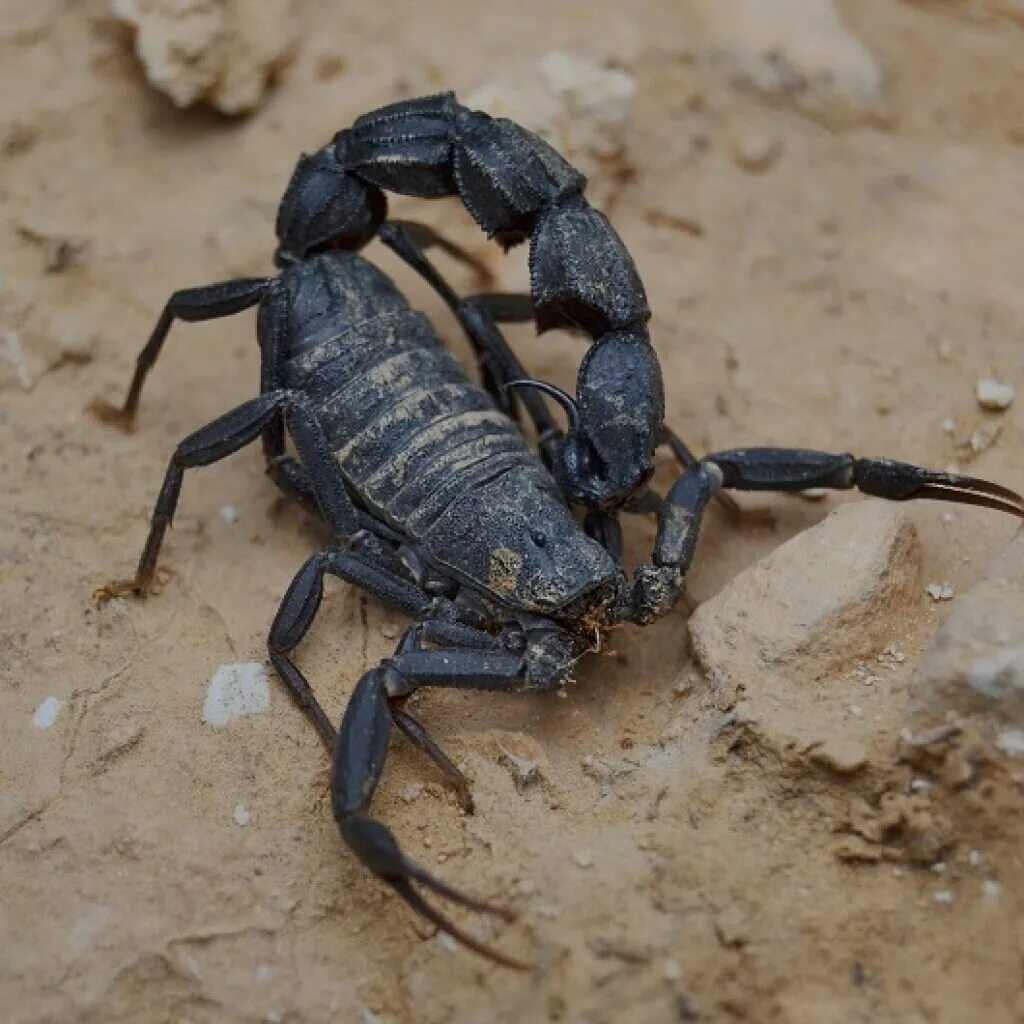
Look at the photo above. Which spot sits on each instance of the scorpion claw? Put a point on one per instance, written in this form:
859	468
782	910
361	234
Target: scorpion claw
405	889
377	848
899	481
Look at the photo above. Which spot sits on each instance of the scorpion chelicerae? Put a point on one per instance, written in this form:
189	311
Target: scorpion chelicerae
435	500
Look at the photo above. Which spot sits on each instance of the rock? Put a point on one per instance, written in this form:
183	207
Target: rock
1011	742
236	690
839	754
782	634
798	50
578	105
820	601
994	395
524	758
975	663
223	52
755	150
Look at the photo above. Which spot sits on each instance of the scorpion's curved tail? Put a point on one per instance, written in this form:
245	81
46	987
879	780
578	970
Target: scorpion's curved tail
358	763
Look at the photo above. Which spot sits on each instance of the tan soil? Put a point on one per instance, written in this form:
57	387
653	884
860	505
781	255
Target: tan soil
837	282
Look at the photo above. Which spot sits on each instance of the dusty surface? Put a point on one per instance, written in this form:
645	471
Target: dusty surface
831	237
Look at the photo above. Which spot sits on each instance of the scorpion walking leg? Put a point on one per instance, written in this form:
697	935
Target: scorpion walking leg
423	236
688	460
359	762
223	437
796	469
208	302
366	570
478	316
301	603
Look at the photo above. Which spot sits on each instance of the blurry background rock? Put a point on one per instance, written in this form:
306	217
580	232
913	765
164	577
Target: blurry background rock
222	51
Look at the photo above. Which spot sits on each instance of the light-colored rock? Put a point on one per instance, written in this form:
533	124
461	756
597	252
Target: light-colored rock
802	616
975	664
799	50
236	690
993	394
818	602
221	51
578	105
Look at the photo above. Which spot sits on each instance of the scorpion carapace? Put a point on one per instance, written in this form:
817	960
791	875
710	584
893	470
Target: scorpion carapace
436	502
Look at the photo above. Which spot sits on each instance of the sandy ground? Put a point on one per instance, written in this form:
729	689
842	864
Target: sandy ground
833	261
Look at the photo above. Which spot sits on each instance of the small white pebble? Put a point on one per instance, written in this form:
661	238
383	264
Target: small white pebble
1011	742
944	897
446	942
236	690
229	514
920	785
412	792
814	493
975	858
242	814
672	971
939	867
991	888
263	974
583	859
948	425
994	394
46	713
948	517
983	439
940	591
856	710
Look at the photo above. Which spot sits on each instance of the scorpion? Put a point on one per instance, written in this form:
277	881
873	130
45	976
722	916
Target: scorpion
435	500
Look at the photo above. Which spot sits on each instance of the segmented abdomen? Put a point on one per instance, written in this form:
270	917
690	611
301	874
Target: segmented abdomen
408	428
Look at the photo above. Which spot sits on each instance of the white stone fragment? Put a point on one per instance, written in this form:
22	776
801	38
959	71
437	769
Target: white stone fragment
46	713
948	425
14	355
1011	742
944	897
940	591
412	792
222	51
991	888
975	858
236	690
242	814
993	394
229	514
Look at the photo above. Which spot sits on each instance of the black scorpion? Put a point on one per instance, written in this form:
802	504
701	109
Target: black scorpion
436	503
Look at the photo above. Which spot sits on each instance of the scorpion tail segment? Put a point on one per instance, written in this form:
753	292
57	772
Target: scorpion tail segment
900	481
377	848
